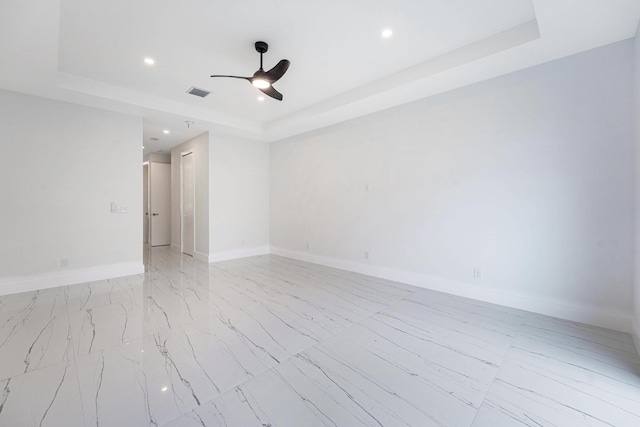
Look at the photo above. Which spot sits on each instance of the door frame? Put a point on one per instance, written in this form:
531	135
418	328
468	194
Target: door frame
146	220
182	155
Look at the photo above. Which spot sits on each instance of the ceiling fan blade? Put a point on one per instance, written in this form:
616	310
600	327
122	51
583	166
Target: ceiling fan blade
233	77
274	74
272	93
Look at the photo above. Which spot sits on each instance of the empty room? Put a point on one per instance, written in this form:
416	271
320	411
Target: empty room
289	214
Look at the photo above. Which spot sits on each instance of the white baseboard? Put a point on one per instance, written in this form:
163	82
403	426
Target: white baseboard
17	284
636	333
197	255
200	256
606	318
239	253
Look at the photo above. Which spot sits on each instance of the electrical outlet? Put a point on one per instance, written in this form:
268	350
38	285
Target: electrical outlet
242	242
477	273
64	262
116	208
366	254
307	245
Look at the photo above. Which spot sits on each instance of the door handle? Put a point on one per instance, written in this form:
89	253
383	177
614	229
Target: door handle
155	214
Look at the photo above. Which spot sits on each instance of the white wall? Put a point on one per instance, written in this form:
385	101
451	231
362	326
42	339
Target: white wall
528	176
636	111
239	204
158	158
199	146
61	167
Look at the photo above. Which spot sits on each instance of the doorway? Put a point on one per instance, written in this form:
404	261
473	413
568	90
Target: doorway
145	203
187	205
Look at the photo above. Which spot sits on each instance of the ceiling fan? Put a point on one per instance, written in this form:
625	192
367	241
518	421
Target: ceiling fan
264	79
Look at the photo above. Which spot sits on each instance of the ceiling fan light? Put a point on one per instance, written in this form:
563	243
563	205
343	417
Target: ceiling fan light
260	83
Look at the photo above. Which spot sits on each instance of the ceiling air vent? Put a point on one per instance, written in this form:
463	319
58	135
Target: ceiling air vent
198	92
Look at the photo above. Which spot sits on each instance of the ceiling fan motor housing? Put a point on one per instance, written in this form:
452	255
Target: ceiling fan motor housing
262	47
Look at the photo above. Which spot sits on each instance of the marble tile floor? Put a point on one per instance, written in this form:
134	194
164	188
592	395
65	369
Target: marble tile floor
269	341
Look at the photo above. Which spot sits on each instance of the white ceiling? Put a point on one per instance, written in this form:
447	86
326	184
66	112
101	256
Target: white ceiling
91	52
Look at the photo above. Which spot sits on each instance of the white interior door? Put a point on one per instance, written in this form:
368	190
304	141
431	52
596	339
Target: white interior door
160	202
188	204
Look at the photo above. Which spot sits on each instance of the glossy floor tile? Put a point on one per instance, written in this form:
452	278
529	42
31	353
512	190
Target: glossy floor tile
557	373
43	397
34	331
268	341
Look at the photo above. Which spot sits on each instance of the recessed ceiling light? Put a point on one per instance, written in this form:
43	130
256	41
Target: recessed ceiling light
261	98
165	388
165	131
143	147
387	33
149	61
